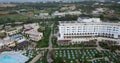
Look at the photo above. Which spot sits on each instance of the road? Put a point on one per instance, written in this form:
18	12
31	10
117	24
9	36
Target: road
49	59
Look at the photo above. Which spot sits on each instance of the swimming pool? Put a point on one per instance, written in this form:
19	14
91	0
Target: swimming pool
12	57
16	36
7	59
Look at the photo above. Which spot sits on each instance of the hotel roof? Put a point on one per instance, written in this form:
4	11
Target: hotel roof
87	21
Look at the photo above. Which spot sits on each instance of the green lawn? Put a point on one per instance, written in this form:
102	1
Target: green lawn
82	44
13	16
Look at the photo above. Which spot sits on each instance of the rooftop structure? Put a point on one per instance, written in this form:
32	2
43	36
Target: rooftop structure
87	21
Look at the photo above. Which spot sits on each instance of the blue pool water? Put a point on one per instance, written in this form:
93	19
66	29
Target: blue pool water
16	36
7	59
12	57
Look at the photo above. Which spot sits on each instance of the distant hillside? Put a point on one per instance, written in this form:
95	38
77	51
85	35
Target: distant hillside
52	0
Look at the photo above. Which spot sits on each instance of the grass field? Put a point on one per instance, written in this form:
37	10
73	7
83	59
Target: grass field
7	5
3	12
13	16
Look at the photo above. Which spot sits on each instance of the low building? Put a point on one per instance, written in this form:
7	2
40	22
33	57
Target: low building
11	41
31	26
31	32
43	16
100	11
66	13
33	35
7	41
14	30
1	43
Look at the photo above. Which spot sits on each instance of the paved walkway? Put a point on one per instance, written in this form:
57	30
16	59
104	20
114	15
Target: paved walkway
49	59
37	57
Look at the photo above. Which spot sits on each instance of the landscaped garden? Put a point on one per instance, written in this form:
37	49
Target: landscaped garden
31	54
44	41
85	56
77	53
112	46
112	56
82	44
43	59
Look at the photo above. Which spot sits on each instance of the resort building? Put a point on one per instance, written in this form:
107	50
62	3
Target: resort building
7	41
11	41
31	26
86	29
14	30
33	35
31	32
1	43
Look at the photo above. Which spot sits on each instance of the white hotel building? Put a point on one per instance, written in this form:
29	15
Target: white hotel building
87	29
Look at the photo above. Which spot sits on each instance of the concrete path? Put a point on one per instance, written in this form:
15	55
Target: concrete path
37	57
49	59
